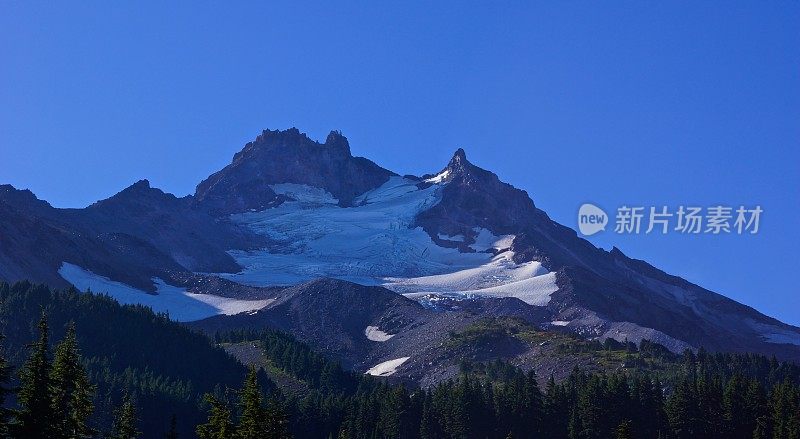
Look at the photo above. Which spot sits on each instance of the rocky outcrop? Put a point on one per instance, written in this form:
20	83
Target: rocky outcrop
474	198
287	157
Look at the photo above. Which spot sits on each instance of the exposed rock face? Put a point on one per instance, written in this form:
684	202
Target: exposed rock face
330	314
192	238
333	315
474	197
35	239
137	234
288	157
595	286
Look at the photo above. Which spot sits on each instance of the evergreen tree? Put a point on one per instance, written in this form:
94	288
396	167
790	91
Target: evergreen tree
71	391
35	413
738	423
252	422
682	408
173	428
277	421
219	425
5	377
125	421
623	430
710	406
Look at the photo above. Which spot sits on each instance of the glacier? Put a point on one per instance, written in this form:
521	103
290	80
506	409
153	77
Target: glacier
375	242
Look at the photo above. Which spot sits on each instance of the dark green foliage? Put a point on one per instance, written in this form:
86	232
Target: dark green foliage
35	414
624	430
219	425
5	391
496	400
256	420
252	420
297	359
172	433
71	391
125	421
166	366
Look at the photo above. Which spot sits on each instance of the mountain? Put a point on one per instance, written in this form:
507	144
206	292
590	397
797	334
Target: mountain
366	265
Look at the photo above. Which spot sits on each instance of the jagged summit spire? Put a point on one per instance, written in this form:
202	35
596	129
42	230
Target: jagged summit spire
288	156
459	163
336	139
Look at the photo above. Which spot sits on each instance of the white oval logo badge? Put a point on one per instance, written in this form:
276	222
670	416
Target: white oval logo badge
591	219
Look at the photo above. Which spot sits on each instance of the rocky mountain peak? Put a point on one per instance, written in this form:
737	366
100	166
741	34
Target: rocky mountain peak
288	156
21	198
460	166
137	192
141	185
459	156
338	141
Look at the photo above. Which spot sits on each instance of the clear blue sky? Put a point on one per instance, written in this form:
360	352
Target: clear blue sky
642	103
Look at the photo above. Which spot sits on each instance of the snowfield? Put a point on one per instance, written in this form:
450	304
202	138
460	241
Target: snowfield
501	277
181	305
375	243
373	333
486	241
386	368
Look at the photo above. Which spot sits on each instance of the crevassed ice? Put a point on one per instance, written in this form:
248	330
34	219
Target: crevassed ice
374	243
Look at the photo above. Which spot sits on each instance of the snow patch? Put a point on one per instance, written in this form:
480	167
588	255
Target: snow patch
486	240
438	178
375	334
304	194
181	305
454	238
387	367
559	322
501	277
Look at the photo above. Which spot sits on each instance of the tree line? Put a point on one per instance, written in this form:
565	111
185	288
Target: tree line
699	395
194	389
